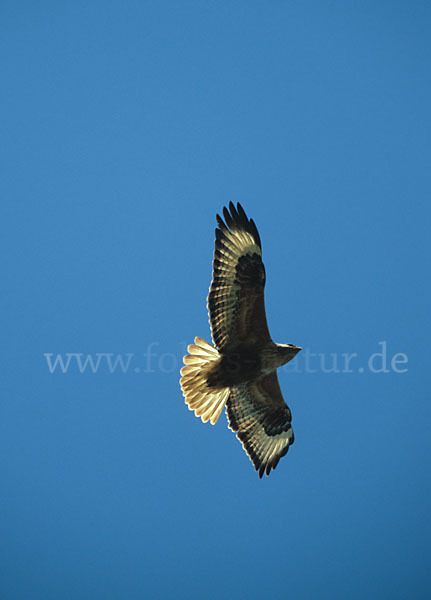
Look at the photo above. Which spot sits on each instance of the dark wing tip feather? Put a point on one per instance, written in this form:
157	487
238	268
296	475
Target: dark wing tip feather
227	217
242	216
254	232
234	213
220	222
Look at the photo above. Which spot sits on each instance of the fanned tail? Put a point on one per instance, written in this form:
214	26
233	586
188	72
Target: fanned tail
206	402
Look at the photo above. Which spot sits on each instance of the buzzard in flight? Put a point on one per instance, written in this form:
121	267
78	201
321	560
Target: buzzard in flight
240	372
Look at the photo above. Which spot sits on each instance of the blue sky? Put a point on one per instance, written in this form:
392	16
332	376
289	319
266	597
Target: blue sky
125	127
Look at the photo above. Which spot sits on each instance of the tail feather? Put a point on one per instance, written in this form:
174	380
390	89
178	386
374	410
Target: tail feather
206	402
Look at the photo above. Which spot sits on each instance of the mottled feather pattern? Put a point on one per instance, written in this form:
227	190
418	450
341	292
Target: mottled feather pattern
265	432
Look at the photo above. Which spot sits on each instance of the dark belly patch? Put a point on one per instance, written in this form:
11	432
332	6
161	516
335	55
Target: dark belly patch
238	366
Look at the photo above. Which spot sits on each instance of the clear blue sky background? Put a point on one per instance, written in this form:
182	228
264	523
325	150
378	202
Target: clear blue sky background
125	127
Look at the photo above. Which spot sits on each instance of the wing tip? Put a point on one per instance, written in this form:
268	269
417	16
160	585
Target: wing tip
236	218
262	466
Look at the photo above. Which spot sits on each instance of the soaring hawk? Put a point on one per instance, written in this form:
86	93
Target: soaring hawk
240	372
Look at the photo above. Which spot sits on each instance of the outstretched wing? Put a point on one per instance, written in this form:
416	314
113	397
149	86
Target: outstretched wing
262	420
235	302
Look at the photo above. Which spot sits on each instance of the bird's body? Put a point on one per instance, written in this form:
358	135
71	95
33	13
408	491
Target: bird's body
240	371
243	363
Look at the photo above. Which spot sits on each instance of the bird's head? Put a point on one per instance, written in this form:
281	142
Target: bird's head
288	351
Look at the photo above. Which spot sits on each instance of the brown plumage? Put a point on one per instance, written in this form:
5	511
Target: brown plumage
240	372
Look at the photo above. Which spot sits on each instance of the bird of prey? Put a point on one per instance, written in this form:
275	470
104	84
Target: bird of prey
240	370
